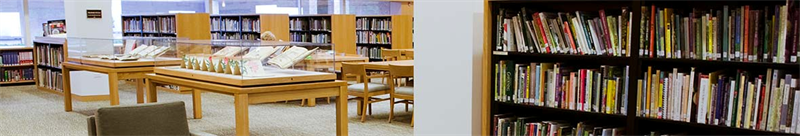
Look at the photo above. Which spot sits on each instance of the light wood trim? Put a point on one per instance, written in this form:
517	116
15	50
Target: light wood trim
105	69
197	103
15	48
341	112
117	63
195	26
161	79
91	98
294	94
278	24
343	33
242	115
113	88
49	90
65	76
238	80
152	94
486	62
402	31
140	90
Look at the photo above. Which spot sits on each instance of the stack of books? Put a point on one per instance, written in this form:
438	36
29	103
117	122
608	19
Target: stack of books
16	58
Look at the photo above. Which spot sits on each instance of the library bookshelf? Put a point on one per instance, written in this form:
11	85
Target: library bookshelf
249	26
17	66
338	29
642	67
194	26
49	53
376	32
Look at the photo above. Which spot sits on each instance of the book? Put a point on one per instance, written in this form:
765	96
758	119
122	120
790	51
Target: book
290	57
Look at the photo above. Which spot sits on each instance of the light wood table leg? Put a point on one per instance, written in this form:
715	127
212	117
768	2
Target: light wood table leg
152	94
113	88
139	91
67	90
341	112
242	116
197	103
312	102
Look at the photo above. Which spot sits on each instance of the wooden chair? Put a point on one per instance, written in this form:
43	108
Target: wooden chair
400	90
364	90
408	55
390	55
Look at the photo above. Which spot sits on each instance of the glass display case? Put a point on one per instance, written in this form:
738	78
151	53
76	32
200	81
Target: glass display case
119	52
262	61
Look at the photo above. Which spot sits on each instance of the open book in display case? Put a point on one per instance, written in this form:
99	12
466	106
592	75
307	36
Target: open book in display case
120	52
247	62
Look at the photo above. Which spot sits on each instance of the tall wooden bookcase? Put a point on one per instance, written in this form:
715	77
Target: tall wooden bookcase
275	23
338	29
376	32
633	124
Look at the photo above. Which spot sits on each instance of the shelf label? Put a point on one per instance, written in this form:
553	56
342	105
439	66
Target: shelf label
499	53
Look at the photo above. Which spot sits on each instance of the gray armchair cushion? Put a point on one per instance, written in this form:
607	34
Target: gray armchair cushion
144	119
372	87
405	90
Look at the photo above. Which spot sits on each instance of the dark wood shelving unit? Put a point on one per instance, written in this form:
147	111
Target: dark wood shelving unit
633	124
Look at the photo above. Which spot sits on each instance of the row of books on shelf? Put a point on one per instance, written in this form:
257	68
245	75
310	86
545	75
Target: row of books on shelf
150	25
313	38
557	85
16	75
225	24
579	33
313	24
146	35
235	36
51	79
251	25
510	125
382	24
167	24
51	56
741	99
369	52
743	34
371	37
11	58
131	24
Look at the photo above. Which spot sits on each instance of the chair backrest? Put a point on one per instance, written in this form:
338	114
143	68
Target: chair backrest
351	69
409	55
401	71
390	55
144	119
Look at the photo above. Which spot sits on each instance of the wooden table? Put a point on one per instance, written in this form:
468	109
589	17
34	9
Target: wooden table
384	65
116	70
282	84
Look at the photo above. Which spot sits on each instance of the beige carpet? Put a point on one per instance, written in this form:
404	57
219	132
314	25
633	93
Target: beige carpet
24	110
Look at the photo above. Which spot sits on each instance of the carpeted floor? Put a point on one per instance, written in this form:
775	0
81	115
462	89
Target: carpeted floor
24	110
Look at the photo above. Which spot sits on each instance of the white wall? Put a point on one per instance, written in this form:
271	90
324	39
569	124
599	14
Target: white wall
448	37
80	26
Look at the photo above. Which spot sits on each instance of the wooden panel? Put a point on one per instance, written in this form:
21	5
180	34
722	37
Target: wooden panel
15	48
294	94
278	24
402	32
279	76
485	75
195	26
343	33
407	8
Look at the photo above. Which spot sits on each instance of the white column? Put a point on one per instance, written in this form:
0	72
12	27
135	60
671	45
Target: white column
27	25
448	38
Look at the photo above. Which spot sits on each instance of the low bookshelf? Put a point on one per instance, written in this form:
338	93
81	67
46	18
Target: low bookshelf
249	26
376	32
337	29
17	65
